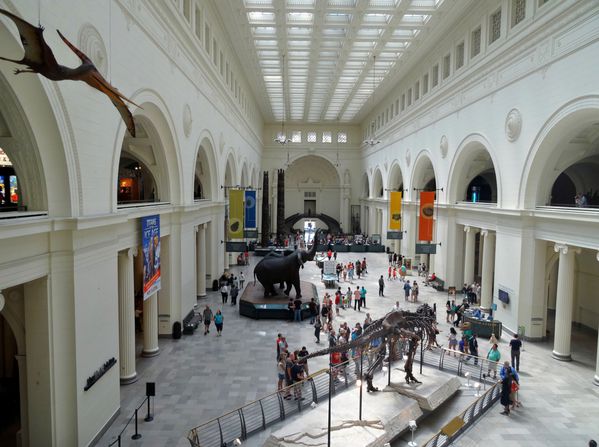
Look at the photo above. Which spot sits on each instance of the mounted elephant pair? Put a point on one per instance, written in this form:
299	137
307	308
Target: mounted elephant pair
276	269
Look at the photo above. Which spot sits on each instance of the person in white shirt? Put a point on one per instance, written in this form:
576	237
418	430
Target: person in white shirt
396	307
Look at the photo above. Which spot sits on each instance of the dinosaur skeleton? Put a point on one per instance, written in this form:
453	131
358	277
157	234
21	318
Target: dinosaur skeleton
413	327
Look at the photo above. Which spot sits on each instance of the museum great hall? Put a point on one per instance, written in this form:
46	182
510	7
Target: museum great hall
492	105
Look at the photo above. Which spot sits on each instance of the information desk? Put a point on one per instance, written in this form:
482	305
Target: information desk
484	328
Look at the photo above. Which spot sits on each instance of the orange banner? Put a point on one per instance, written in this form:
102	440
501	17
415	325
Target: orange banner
427	211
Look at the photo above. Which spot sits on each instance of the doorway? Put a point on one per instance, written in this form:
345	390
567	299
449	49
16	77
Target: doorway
310	207
10	399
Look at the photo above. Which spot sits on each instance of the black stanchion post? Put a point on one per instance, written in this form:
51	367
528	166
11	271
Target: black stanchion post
149	416
150	392
119	439
361	380
136	435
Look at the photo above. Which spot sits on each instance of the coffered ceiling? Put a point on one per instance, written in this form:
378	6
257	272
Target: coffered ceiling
321	60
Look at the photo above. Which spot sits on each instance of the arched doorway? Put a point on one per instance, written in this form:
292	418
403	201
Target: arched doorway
140	176
423	176
473	177
203	182
565	158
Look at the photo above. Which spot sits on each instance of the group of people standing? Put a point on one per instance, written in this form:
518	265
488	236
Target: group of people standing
230	285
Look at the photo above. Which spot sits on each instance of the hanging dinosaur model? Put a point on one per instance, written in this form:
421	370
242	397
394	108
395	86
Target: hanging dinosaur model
40	59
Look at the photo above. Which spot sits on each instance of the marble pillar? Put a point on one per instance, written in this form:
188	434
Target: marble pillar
126	317
469	254
150	348
488	268
23	433
201	261
564	301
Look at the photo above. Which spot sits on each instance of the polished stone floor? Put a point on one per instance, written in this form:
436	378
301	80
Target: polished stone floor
200	377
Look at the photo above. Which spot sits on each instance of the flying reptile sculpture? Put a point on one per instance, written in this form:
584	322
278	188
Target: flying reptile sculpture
40	59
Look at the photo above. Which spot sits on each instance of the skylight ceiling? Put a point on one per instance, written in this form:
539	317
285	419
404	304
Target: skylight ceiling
328	48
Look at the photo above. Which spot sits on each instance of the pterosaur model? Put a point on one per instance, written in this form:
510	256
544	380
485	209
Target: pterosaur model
40	59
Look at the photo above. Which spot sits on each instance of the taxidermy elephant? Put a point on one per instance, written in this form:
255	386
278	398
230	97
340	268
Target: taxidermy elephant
278	269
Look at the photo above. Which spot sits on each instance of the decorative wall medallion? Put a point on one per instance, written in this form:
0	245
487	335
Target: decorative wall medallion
513	125
91	43
408	157
187	120
443	145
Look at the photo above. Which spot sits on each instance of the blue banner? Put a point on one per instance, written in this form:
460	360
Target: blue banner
150	243
250	209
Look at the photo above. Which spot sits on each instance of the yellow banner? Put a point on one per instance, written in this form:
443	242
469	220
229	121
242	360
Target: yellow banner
395	210
235	214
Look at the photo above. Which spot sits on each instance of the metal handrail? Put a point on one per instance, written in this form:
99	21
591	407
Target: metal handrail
217	438
466	418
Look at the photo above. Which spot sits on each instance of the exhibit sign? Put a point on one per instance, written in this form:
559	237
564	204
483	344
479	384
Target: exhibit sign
150	241
427	211
395	210
235	214
250	209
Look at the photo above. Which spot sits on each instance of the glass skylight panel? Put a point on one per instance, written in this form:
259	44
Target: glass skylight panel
249	3
376	18
303	17
334	32
293	43
268	53
264	30
300	2
384	3
337	17
261	17
265	43
298	31
370	32
298	54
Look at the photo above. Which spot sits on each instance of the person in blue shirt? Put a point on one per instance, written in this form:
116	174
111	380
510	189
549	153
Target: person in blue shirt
363	296
506	367
218	321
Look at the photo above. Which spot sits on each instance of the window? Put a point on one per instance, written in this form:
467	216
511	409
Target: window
446	66
475	42
495	26
403	102
227	72
459	56
214	52
409	97
198	24
518	11
435	75
425	84
386	116
296	136
396	106
222	64
341	137
207	38
417	91
311	137
327	137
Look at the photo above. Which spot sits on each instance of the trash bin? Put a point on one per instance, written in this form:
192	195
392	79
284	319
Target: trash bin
215	285
176	330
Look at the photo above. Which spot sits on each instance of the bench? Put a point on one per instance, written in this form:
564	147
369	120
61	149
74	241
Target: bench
191	322
438	284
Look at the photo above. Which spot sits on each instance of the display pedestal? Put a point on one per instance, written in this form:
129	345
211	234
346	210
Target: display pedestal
255	305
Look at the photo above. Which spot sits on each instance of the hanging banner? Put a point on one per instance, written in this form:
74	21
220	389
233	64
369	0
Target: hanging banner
395	210
150	242
250	210
235	214
427	211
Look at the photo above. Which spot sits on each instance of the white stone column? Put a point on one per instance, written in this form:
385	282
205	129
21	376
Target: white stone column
469	254
201	260
486	298
563	305
150	348
596	378
126	317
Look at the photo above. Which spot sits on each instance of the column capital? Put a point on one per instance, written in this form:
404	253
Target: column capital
469	229
487	233
563	249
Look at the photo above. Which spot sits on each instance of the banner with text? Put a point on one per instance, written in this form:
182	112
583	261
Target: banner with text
395	210
427	211
235	214
250	209
150	242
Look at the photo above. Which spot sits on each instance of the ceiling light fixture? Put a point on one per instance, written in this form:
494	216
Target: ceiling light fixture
373	141
281	138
